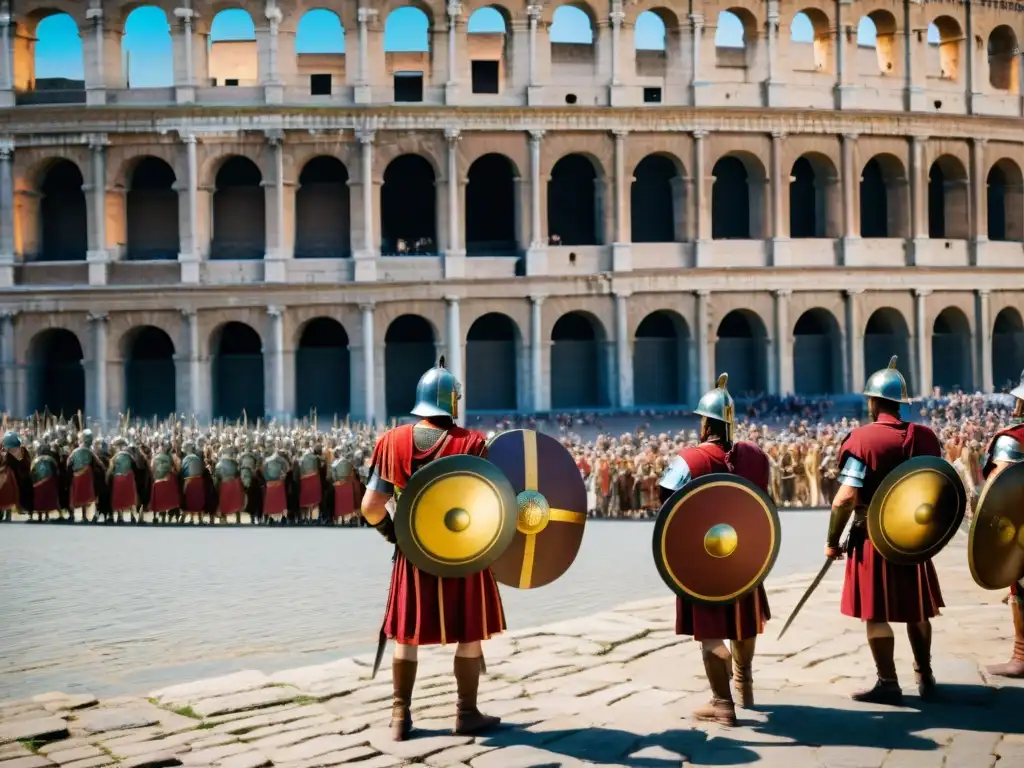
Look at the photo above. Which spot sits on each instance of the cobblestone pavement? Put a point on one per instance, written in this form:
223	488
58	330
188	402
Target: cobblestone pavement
613	689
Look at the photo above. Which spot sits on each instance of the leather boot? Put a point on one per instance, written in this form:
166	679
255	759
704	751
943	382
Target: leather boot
1015	666
403	676
721	708
887	688
469	719
920	636
742	670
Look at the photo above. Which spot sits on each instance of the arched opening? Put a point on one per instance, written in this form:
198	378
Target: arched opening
407	30
886	334
408	207
737	198
811	37
882	193
951	351
410	350
655	195
1003	52
578	377
817	354
1005	202
56	373
574	202
945	38
48	57
238	388
239	211
320	44
491	370
152	212
811	184
1007	348
656	40
491	207
736	38
661	355
878	30
490	48
147	49
322	225
322	377
63	221
742	351
233	56
149	373
948	213
573	49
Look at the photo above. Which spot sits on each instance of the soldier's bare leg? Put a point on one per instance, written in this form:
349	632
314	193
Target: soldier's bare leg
1015	666
403	679
742	670
887	688
718	667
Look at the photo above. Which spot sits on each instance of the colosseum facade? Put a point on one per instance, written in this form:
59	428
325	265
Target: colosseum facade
574	224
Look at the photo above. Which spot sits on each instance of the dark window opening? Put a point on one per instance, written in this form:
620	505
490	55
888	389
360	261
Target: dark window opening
652	95
320	85
570	98
231	81
485	76
409	86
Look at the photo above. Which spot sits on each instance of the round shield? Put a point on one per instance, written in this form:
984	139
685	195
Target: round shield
995	548
456	516
916	510
716	539
552	507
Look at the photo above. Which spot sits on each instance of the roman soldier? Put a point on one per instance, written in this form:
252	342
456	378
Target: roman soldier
742	621
87	473
275	494
424	609
310	471
346	488
1006	448
876	590
165	492
124	491
46	490
227	481
196	484
15	477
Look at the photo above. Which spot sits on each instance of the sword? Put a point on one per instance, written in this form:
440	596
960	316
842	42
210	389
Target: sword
810	589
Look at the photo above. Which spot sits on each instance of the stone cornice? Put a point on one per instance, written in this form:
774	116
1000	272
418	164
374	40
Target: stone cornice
48	124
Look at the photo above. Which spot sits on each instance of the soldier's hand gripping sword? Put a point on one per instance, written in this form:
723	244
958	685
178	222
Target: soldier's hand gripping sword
810	589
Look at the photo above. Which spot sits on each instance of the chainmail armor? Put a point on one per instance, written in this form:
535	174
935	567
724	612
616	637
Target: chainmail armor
425	437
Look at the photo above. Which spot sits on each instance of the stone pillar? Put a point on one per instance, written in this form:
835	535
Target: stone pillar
616	17
536	353
918	198
195	377
851	191
979	203
533	13
190	255
697	84
983	336
92	56
99	382
453	344
7	375
279	240
779	190
454	9
783	344
185	76
6	59
276	314
455	253
854	343
701	208
365	266
621	256
703	350
363	90
772	90
7	255
97	256
924	338
369	380
841	35
624	360
270	78
536	256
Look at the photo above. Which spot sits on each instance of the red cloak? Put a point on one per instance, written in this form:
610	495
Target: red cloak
83	488
424	609
875	589
746	617
275	498
8	488
230	496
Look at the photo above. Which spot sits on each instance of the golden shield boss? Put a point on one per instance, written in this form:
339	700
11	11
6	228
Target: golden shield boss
916	510
995	548
716	539
551	501
456	516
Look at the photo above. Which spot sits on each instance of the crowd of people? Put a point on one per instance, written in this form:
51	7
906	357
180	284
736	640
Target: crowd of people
301	474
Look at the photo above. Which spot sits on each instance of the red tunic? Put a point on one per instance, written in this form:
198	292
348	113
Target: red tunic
275	498
194	494
165	495
424	609
124	493
746	617
231	496
875	589
346	497
46	495
8	488
83	488
311	490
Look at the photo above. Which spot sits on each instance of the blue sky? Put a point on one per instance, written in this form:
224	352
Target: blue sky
147	41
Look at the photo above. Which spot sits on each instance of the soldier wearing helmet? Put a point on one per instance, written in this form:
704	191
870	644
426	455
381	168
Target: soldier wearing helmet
742	621
1006	448
875	590
420	612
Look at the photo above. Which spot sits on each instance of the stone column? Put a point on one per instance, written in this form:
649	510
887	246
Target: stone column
983	324
455	253
7	255
369	380
772	91
363	90
621	256
918	198
454	9
7	375
195	378
453	343
854	343
6	59
533	14
99	382
185	78
696	31
779	189
273	88
366	258
783	344
701	209
979	203
616	17
851	191
276	314
278	240
703	328
94	69
536	257
924	337
624	360
536	353
188	220
839	35
97	256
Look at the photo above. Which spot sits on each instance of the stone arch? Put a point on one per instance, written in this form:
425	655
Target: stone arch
56	373
737	197
575	201
741	350
228	27
886	334
150	381
655	31
1003	52
567	26
882	192
320	31
493	347
147	40
151	211
735	36
951	351
492	45
407	28
322	224
948	203
878	30
408	207
40	33
950	38
323	369
812	197
410	350
661	359
237	371
1007	348
1005	201
817	354
811	36
578	362
239	211
656	200
63	218
490	206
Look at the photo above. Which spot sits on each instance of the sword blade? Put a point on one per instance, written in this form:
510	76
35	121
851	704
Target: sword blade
807	594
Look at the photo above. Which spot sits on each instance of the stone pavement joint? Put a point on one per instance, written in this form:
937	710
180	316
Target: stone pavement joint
611	689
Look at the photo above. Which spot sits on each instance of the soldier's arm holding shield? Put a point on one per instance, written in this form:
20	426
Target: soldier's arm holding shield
374	506
851	480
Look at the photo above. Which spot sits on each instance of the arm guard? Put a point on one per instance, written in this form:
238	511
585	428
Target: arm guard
386	528
837	523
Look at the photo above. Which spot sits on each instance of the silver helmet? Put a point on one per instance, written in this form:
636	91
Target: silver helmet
887	384
718	404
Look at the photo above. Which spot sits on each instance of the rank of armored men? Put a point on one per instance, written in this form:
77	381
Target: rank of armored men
995	548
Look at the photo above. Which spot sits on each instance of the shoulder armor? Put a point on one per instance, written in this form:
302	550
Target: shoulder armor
192	466
677	475
123	463
1008	449
853	472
